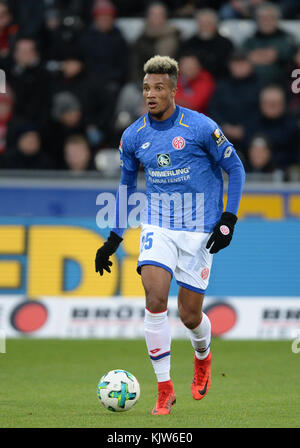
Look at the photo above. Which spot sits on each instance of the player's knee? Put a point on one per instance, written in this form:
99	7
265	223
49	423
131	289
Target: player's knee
189	318
156	302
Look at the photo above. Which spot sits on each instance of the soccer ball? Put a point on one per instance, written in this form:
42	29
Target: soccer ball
118	390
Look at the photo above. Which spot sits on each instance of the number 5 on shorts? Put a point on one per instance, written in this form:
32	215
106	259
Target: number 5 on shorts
147	241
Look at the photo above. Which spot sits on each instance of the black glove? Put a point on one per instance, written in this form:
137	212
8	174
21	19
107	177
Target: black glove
102	256
222	234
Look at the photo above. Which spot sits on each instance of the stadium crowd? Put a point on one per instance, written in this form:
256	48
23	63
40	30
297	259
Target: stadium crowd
74	81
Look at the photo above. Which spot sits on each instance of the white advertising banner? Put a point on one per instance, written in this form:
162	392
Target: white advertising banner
116	317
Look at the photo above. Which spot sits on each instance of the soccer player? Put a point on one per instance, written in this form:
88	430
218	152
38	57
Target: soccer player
183	153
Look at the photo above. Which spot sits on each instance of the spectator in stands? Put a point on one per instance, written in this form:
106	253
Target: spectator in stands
177	8
77	154
8	31
212	49
290	8
96	107
259	156
130	106
72	9
29	16
235	101
28	153
66	120
182	8
53	37
105	49
28	80
195	84
239	9
270	48
158	37
58	37
131	8
188	8
277	125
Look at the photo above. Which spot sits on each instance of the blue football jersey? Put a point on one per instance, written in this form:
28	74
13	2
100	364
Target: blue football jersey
181	157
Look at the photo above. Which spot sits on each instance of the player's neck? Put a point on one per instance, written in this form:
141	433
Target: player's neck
167	114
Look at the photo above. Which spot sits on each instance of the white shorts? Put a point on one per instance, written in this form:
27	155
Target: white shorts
181	253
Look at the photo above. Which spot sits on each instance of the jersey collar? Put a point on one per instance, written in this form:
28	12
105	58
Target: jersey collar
165	124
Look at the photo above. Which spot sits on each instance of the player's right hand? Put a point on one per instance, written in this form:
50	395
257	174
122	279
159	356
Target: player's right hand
110	246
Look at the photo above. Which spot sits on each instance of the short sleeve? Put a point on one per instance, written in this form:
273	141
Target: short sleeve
127	155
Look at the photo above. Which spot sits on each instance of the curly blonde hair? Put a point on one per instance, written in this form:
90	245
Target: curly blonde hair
161	65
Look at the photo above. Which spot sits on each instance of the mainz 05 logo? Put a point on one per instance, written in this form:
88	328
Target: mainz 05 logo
163	160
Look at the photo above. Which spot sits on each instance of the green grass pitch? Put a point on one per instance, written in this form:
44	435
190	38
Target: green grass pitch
52	384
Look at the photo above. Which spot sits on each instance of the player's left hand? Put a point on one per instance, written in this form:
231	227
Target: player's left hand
222	234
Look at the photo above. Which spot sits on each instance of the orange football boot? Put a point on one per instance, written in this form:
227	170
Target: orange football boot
166	398
201	380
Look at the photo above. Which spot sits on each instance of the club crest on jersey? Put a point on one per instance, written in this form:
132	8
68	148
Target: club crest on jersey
218	137
145	145
178	142
163	160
